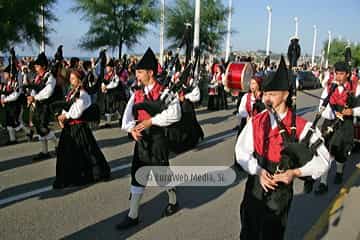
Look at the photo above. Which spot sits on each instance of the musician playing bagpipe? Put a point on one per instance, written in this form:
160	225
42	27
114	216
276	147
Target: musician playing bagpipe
42	95
338	117
147	129
186	133
10	100
79	159
113	90
268	151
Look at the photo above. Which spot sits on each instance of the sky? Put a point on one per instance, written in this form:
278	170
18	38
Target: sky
249	26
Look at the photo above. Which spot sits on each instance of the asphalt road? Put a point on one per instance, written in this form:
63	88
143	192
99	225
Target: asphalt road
30	209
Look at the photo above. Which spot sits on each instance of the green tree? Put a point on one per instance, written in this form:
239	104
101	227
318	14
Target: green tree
115	23
19	21
337	50
213	17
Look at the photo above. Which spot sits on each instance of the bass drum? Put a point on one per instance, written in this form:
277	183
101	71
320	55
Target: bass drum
237	77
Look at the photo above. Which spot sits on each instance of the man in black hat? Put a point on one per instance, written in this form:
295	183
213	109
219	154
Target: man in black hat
261	154
342	105
148	131
110	88
10	94
40	99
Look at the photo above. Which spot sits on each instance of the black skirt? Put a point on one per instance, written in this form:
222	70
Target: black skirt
79	158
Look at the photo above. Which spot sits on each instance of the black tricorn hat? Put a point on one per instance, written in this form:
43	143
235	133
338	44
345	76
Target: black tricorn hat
279	80
148	61
41	60
341	67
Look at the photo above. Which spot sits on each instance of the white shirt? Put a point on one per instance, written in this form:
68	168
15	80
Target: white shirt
167	117
12	96
48	90
328	113
244	150
79	106
114	82
194	95
242	112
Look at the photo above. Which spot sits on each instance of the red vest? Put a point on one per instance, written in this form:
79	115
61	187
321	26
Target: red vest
268	142
251	112
153	95
338	98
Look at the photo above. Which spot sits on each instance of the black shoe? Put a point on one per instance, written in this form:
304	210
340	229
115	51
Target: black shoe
128	222
338	178
322	189
171	209
41	156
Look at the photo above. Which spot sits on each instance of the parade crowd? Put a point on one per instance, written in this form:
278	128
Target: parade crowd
155	104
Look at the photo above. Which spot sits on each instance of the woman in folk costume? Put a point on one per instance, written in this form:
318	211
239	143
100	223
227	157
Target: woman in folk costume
79	158
10	100
260	151
110	88
148	131
251	102
222	95
213	89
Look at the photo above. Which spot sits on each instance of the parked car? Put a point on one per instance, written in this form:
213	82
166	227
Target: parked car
306	79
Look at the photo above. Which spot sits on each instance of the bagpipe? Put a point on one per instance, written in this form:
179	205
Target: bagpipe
293	155
168	95
168	71
312	129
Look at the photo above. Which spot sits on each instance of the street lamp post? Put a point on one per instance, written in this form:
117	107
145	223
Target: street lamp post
268	31
328	50
296	19
197	33
228	42
162	25
42	26
314	47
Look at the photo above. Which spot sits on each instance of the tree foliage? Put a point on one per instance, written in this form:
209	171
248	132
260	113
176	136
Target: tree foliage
213	17
19	22
115	23
337	50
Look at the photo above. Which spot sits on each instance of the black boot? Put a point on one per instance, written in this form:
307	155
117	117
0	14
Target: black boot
128	222
170	209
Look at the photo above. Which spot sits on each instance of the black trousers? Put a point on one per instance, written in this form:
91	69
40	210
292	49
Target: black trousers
12	111
41	118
